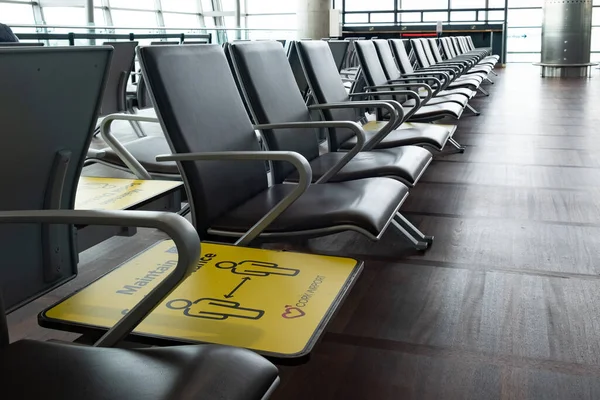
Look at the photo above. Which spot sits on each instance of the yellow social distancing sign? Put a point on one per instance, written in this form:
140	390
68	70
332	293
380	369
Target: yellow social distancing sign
374	126
119	194
276	303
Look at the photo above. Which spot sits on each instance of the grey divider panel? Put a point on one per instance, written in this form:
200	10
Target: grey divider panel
339	50
48	109
120	67
294	61
263	69
200	109
327	86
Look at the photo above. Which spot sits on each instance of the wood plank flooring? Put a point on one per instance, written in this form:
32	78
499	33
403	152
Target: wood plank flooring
505	305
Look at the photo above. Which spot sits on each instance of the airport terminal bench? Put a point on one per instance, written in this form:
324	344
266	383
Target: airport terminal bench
276	303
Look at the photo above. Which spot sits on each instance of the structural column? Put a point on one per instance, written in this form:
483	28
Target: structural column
313	19
566	38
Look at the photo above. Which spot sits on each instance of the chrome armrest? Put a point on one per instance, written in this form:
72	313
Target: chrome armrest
392	107
436	84
358	131
413	95
128	159
179	229
297	160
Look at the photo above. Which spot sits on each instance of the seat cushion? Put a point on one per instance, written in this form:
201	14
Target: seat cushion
366	203
458	91
453	98
470	77
464	82
405	163
408	134
44	370
145	151
436	111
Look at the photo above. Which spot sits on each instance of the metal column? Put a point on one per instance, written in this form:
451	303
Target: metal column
313	19
566	38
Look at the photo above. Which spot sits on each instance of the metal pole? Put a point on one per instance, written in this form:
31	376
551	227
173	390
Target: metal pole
89	12
238	19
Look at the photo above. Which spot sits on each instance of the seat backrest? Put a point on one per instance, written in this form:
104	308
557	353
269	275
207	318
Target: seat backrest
435	50
272	96
428	53
200	110
339	49
372	68
48	110
21	44
420	52
401	56
121	65
386	57
297	70
470	43
448	48
326	86
456	47
463	44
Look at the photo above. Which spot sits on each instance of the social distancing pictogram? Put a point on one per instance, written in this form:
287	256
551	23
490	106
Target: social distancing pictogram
119	194
276	303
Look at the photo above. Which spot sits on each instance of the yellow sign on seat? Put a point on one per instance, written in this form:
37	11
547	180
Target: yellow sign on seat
119	194
275	303
375	126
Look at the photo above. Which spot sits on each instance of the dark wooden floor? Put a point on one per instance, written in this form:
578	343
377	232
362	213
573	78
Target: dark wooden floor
506	305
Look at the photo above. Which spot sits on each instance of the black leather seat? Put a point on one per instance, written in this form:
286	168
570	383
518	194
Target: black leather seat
327	87
459	81
363	203
53	371
228	197
375	77
393	74
272	95
145	151
406	163
429	135
406	67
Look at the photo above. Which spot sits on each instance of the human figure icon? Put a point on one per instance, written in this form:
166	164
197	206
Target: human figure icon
214	309
98	185
256	268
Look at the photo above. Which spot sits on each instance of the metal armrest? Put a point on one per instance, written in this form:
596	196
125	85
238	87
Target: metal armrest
413	95
440	80
128	159
297	160
392	107
419	81
179	229
358	130
450	73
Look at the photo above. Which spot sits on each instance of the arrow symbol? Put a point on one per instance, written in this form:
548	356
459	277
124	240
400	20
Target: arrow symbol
230	295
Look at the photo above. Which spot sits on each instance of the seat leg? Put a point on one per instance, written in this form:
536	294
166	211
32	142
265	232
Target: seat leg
456	145
489	80
420	241
482	90
137	128
473	110
494	72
